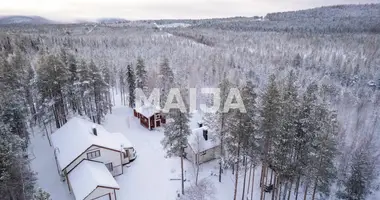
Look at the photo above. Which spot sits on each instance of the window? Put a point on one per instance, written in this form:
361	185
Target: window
93	154
109	167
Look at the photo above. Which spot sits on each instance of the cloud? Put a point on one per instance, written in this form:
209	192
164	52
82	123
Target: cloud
154	9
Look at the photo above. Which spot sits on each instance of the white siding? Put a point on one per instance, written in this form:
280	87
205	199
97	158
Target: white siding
211	154
100	192
106	156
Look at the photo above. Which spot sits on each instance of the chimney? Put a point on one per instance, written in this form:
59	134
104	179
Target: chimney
200	124
205	134
94	131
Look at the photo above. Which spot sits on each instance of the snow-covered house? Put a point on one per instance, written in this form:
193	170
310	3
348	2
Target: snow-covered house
201	148
80	141
150	116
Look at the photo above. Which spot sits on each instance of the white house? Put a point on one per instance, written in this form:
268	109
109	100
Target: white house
81	145
201	148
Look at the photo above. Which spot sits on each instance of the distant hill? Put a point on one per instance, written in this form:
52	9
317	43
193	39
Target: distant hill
5	20
362	18
112	20
329	13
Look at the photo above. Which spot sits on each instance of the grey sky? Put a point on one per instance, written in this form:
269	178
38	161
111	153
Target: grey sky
157	9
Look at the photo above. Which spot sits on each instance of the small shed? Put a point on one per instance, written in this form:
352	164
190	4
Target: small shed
201	147
150	116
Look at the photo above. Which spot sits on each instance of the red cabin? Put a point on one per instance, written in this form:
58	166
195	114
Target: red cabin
150	117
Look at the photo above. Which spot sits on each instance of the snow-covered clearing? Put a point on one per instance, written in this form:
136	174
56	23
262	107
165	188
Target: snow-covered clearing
150	176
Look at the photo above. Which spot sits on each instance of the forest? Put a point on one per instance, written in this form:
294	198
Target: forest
311	89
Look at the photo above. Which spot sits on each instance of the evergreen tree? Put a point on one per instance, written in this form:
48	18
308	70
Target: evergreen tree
131	86
52	81
363	171
270	127
176	134
141	75
323	151
98	90
73	83
166	77
16	179
283	143
217	123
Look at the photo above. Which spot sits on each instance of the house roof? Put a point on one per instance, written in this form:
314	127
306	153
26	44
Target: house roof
76	136
89	175
147	110
123	140
197	141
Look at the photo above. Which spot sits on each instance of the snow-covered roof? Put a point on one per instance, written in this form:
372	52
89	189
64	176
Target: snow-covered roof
76	136
87	176
148	110
124	141
198	142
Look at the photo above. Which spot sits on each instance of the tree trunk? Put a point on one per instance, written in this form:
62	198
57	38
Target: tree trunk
285	191
297	187
253	182
315	188
290	189
263	171
197	170
274	187
182	177
249	178
245	176
237	173
305	195
279	190
271	177
220	170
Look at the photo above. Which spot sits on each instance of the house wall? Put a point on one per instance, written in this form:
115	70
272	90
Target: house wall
190	155
209	155
100	192
144	121
106	156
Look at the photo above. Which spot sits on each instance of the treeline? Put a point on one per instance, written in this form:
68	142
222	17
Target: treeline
67	84
334	19
17	181
295	137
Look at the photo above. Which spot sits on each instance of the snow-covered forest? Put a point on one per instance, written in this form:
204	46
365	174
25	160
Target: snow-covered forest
310	81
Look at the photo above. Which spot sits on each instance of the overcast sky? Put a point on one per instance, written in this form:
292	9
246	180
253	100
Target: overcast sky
157	9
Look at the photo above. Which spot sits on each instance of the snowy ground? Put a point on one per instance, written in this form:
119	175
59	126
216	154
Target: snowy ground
148	177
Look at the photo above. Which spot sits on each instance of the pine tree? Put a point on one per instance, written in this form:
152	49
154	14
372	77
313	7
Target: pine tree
283	143
242	139
98	90
73	83
141	75
16	179
362	173
131	79
176	133
52	82
270	126
217	123
323	151
166	77
306	130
